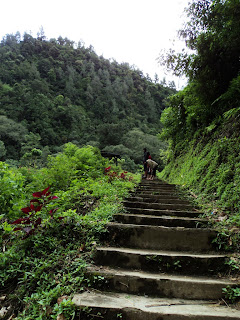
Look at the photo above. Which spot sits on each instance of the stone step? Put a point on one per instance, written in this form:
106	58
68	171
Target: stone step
155	212
158	182
157	189
155	181
155	192
158	284
156	196
110	306
158	206
158	200
183	263
160	238
166	221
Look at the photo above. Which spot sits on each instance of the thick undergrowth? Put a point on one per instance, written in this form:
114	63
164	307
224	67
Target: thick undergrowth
208	168
52	220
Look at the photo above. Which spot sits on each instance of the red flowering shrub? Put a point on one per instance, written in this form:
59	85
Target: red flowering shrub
107	169
113	175
32	221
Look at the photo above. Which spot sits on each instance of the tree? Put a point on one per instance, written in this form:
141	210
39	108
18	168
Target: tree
110	133
31	141
3	150
12	134
135	140
212	33
30	158
41	34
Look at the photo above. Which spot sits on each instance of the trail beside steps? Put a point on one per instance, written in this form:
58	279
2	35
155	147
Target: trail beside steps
158	263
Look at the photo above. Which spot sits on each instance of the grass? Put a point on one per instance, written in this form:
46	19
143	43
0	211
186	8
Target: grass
40	273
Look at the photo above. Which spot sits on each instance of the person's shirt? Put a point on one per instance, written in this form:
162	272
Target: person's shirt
145	156
152	164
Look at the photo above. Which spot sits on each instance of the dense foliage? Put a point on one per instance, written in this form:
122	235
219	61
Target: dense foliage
52	219
202	123
54	91
210	170
213	68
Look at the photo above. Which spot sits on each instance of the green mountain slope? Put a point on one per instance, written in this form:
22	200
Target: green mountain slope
54	91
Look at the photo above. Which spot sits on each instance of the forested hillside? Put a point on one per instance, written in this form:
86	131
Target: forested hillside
202	123
60	99
54	91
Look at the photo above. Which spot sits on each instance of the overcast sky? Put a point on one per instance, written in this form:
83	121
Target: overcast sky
132	31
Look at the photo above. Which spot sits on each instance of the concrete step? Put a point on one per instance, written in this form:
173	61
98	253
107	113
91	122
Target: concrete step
158	206
158	284
166	221
183	263
156	212
156	184
155	196
155	199
155	181
160	238
110	306
157	189
155	192
146	182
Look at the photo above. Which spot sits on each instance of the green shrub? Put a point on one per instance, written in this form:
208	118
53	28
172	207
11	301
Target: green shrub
50	263
12	193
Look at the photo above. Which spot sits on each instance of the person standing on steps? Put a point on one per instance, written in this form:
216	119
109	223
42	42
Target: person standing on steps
148	155
145	157
148	168
152	166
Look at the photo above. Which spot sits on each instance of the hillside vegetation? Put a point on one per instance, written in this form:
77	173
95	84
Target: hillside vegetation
202	123
51	219
60	104
56	91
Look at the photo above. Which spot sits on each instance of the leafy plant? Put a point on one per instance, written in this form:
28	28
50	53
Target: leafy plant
233	263
115	175
231	294
50	260
12	193
66	308
30	223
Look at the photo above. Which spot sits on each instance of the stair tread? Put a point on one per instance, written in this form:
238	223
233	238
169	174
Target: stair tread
163	216
181	229
151	306
145	202
156	199
158	212
158	276
162	252
165	210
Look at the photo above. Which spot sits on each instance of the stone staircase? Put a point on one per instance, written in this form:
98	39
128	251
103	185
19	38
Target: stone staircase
158	263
